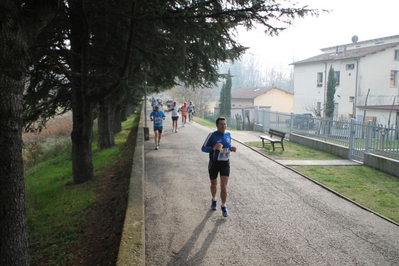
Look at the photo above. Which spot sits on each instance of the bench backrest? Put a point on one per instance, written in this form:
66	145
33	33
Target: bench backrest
276	133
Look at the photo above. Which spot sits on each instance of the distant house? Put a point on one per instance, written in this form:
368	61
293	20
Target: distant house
273	97
358	66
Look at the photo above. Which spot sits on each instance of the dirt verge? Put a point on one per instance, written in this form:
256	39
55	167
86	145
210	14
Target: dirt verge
99	243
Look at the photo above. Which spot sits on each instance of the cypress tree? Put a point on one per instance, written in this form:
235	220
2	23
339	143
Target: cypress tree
330	93
222	100
228	95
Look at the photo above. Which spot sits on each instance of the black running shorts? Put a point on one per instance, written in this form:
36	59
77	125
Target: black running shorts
216	167
159	129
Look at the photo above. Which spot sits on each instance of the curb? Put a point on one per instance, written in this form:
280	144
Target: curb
132	246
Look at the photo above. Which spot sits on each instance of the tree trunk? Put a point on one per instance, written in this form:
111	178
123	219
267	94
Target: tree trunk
105	124
125	112
13	230
109	120
117	119
82	108
82	117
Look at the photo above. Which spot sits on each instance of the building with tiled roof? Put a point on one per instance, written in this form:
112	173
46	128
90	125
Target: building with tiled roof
362	68
275	98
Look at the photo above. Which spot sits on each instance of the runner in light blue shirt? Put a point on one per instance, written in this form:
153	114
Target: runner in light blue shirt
157	116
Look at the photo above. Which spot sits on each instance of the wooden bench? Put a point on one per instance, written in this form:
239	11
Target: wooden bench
274	136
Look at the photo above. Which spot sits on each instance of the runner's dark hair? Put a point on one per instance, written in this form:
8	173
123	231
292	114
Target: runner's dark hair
220	118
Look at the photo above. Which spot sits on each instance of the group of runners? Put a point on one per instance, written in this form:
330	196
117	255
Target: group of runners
157	116
217	145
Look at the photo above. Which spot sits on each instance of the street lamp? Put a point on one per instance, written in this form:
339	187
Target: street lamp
145	67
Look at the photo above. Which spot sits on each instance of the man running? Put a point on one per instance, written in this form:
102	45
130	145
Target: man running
157	117
218	145
154	103
191	111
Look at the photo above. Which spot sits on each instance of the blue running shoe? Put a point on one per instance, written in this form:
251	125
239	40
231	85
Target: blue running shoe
213	205
225	212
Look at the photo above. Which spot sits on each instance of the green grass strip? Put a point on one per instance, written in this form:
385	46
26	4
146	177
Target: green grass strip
55	207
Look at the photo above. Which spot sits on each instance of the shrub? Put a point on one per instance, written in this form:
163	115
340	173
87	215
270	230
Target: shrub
33	153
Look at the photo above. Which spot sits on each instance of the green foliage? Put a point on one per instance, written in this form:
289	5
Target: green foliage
331	88
55	207
228	94
225	97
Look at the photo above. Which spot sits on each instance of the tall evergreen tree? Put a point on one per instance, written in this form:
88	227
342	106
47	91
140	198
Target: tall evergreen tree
331	88
225	96
228	95
222	100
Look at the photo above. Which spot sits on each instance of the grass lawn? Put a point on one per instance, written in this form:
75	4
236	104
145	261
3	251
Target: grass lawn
369	187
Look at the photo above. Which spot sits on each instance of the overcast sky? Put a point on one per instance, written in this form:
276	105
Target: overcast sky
366	19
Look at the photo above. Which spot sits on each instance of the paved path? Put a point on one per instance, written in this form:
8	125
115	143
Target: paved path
277	217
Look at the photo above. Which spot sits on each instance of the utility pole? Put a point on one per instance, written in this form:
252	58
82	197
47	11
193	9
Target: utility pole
145	67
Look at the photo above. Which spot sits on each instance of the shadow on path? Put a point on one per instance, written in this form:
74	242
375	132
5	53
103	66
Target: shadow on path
181	257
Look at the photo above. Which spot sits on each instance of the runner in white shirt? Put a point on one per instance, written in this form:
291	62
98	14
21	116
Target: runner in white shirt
175	116
191	111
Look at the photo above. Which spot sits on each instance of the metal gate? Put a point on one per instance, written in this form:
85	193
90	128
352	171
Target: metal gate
357	141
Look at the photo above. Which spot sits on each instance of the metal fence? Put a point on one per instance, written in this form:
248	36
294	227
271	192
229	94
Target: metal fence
358	137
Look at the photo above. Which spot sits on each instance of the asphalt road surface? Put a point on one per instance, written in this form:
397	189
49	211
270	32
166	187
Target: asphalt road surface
277	217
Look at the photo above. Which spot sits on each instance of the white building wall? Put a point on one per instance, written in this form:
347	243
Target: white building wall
374	73
345	91
307	94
